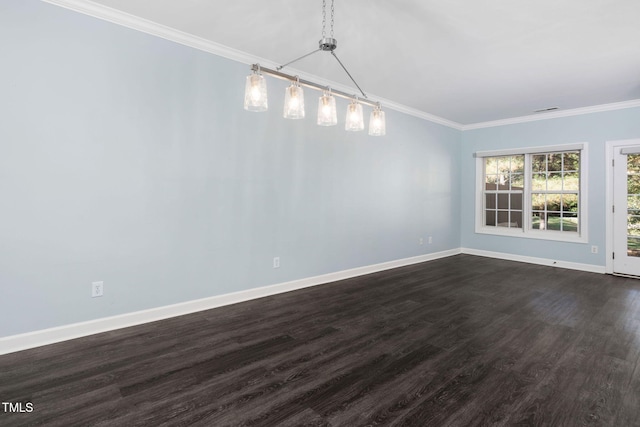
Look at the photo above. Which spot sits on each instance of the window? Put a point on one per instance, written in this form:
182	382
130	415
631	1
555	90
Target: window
555	185
504	183
532	193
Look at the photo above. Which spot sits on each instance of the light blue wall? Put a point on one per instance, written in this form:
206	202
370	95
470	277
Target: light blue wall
594	129
129	159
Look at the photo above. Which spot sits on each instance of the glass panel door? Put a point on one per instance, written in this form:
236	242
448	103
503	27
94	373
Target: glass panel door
633	205
626	217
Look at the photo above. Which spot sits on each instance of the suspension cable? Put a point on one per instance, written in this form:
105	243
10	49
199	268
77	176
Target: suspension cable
324	20
332	14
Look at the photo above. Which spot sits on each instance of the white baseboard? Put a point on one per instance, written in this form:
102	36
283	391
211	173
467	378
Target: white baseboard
533	260
39	338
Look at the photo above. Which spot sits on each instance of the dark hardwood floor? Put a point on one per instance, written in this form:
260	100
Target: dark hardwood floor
461	341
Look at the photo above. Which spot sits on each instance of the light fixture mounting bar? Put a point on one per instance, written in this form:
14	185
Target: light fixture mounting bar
297	59
310	84
327	45
348	73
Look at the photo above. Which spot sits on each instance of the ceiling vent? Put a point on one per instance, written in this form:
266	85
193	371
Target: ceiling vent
544	110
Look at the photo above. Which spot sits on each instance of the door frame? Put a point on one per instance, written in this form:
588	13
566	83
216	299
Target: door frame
611	146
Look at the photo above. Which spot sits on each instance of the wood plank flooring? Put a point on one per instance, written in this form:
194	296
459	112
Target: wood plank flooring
461	341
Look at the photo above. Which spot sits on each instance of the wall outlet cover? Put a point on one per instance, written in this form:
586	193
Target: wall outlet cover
97	289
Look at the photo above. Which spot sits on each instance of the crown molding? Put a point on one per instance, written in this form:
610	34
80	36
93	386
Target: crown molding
555	114
106	13
124	19
137	23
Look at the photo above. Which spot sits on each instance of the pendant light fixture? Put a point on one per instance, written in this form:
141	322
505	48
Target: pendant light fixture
327	115
377	125
355	120
255	98
294	101
255	92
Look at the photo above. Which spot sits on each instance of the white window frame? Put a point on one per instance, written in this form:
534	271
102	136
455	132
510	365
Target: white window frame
526	231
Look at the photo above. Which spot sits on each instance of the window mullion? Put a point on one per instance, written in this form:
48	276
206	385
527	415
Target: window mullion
526	195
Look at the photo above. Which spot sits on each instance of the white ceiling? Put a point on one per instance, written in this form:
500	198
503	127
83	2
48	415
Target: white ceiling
463	60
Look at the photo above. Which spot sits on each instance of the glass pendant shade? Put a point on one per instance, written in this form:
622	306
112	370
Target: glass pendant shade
294	102
255	93
327	115
355	120
377	125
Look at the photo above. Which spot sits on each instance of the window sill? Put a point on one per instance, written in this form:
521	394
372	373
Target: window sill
557	236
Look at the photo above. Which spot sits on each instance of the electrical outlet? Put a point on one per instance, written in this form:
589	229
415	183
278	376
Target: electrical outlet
276	262
97	289
430	240
421	241
594	249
